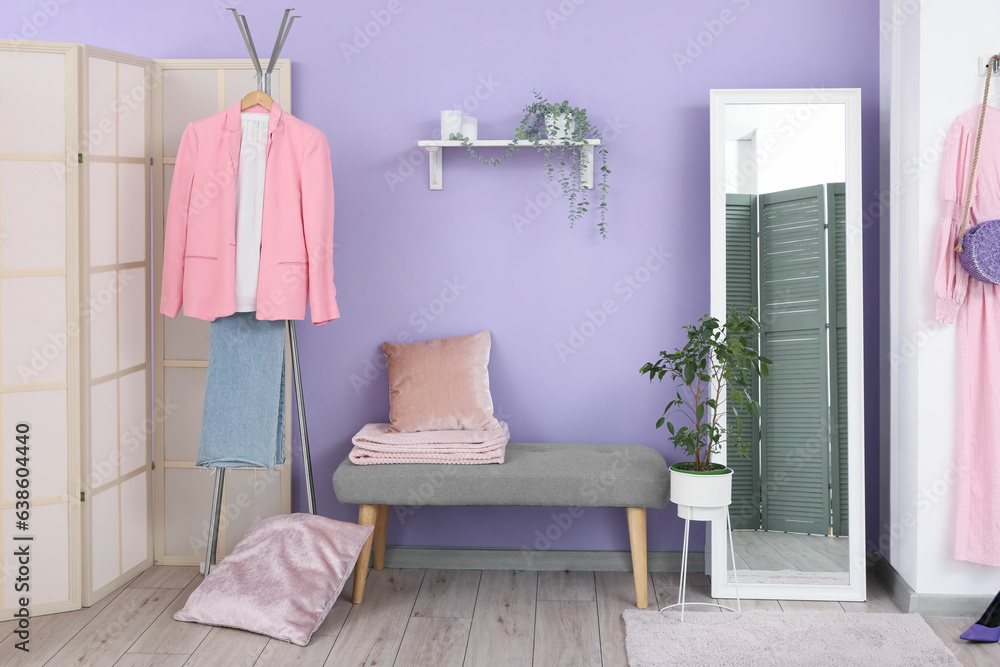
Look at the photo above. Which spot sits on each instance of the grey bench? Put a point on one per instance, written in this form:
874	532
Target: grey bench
551	475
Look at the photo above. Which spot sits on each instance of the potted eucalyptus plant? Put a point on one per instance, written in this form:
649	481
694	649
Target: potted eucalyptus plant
718	358
560	131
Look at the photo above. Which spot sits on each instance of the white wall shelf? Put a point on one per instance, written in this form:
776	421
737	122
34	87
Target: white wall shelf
435	155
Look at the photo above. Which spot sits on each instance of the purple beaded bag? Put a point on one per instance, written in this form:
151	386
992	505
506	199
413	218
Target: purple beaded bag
979	248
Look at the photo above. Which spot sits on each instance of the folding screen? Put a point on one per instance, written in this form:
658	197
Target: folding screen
836	202
75	310
741	292
117	528
793	244
40	322
74	313
189	90
795	397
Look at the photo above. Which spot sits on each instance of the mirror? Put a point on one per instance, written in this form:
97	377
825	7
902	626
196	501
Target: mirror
786	240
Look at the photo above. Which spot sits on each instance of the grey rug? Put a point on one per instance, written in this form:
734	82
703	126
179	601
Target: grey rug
775	638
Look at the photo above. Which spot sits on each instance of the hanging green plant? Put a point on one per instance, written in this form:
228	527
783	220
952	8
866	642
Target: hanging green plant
568	128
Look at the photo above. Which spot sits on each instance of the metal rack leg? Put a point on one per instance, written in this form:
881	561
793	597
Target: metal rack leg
732	552
682	590
300	404
684	568
213	520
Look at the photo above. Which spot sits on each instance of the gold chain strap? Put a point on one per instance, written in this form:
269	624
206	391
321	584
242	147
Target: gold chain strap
975	156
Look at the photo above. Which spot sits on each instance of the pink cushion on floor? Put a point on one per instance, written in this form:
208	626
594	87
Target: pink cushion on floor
281	579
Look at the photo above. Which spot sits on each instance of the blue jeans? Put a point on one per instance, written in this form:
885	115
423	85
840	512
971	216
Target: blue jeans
243	423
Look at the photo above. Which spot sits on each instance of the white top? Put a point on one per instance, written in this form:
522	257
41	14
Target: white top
250	208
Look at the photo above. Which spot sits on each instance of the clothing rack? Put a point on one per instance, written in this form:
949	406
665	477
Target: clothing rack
264	84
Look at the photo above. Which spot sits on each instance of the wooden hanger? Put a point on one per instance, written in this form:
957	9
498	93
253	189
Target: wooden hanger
255	98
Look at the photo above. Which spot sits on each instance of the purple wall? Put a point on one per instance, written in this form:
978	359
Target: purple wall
399	246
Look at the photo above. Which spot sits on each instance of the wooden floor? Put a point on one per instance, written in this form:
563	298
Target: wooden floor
768	550
434	618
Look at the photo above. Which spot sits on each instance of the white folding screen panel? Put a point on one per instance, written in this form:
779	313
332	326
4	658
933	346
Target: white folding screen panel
117	527
75	351
188	90
40	326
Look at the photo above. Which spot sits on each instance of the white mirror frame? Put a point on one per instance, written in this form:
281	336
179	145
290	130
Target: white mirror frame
718	557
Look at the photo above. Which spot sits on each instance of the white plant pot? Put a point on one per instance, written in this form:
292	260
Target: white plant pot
555	127
695	490
451	122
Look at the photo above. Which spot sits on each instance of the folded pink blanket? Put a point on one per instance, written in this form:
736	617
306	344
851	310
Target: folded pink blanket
373	445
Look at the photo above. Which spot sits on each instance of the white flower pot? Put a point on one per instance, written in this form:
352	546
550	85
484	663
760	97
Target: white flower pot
555	127
701	490
451	122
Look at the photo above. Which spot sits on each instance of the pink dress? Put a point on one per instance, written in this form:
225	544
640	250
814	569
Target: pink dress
974	307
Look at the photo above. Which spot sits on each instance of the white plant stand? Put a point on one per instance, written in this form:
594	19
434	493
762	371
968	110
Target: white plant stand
689	513
435	155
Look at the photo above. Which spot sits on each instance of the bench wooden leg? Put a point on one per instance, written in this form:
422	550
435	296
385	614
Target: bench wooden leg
367	516
381	524
637	538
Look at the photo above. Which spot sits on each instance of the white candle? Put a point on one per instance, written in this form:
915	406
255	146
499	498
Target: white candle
470	127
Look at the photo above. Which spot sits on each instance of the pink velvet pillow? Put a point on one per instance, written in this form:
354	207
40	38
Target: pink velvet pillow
440	385
281	579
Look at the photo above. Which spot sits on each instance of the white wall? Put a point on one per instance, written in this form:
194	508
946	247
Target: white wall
936	48
815	153
741	166
784	146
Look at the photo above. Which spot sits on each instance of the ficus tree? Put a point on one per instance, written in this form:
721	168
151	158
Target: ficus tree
715	360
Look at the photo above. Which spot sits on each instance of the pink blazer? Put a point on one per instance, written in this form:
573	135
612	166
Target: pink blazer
296	248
